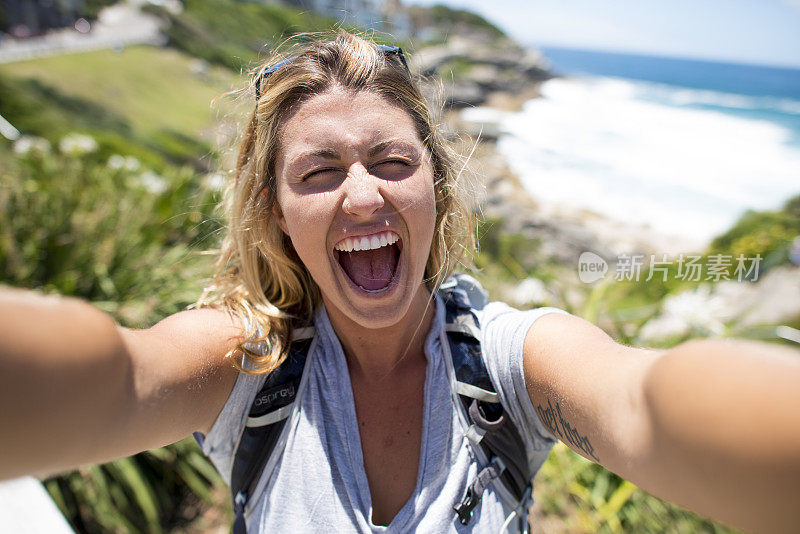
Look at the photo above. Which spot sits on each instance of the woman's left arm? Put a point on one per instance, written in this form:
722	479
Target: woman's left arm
713	425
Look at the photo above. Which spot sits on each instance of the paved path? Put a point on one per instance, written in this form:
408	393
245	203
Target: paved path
26	508
118	25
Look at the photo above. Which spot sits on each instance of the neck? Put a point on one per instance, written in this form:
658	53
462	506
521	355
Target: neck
378	353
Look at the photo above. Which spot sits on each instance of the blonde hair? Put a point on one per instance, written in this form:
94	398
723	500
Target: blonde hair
259	276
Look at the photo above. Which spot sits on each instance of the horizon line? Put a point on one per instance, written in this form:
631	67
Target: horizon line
668	55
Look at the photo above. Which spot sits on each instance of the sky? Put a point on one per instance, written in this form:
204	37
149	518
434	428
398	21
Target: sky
744	31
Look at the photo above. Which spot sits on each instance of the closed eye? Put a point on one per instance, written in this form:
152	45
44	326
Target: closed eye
394	162
318	173
391	165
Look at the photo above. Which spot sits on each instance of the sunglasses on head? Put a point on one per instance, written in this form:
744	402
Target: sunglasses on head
266	71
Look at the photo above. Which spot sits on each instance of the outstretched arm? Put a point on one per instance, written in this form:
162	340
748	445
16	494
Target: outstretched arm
713	425
76	388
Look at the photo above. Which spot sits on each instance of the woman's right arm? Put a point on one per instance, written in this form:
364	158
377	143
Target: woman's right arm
75	388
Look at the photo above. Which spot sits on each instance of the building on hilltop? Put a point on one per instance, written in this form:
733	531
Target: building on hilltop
381	15
364	13
26	18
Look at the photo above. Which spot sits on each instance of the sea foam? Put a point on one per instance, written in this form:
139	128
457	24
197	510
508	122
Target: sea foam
636	152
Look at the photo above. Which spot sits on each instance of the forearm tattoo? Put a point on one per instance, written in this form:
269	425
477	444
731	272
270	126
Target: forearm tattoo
556	424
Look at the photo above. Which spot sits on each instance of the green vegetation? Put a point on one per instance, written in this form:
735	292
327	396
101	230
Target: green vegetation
450	19
576	495
129	240
456	68
115	233
768	233
149	102
157	491
233	34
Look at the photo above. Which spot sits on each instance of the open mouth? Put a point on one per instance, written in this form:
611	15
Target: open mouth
371	261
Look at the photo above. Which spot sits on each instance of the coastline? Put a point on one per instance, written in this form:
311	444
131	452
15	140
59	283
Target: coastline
566	230
503	76
559	233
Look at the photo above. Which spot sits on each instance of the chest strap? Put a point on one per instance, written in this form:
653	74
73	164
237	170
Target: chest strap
490	431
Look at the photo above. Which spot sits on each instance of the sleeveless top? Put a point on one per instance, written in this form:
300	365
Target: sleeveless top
319	483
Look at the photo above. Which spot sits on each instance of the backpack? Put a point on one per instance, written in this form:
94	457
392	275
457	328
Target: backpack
494	437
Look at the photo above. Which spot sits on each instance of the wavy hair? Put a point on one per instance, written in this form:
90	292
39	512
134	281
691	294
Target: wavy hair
259	276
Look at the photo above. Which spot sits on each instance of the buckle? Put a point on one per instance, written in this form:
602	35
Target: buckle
239	502
465	507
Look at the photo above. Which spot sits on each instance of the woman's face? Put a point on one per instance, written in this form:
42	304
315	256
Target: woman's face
355	195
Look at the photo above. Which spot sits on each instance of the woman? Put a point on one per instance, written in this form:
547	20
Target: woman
346	213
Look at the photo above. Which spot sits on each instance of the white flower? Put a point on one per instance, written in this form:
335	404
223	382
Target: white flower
697	310
663	327
28	144
154	183
132	164
214	180
77	144
530	291
118	162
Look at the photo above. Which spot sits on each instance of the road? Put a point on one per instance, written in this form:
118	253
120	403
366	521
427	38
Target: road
117	26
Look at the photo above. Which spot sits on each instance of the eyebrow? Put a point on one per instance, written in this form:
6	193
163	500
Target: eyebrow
329	153
380	147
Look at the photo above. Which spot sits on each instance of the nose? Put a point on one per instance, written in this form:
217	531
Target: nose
362	195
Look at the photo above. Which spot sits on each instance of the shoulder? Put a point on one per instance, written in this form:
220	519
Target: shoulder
505	328
206	330
504	331
558	341
201	318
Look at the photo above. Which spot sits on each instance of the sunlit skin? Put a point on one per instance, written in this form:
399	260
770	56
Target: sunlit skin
352	164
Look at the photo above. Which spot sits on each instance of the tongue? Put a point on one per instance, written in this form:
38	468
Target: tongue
370	269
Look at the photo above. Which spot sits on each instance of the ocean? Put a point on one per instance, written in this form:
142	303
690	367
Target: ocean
682	146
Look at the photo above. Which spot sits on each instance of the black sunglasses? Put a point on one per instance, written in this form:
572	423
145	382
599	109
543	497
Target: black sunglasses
266	71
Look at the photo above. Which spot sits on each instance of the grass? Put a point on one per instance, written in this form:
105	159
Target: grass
234	34
152	90
575	495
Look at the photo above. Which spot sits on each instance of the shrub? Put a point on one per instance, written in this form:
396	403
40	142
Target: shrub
127	239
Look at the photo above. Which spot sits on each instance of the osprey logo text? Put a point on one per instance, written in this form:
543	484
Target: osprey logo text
269	398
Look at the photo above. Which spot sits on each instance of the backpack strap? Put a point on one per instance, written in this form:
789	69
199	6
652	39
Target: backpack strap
491	431
493	435
263	432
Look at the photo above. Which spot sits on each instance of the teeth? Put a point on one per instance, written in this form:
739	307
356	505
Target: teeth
372	242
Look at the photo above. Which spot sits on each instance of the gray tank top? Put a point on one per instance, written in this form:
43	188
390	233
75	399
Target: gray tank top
319	483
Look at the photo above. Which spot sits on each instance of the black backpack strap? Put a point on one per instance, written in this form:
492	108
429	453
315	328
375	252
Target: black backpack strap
491	430
265	423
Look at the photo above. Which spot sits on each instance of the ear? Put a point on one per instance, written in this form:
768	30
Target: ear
277	212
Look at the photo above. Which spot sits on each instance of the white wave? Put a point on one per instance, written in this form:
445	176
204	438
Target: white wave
672	95
597	143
